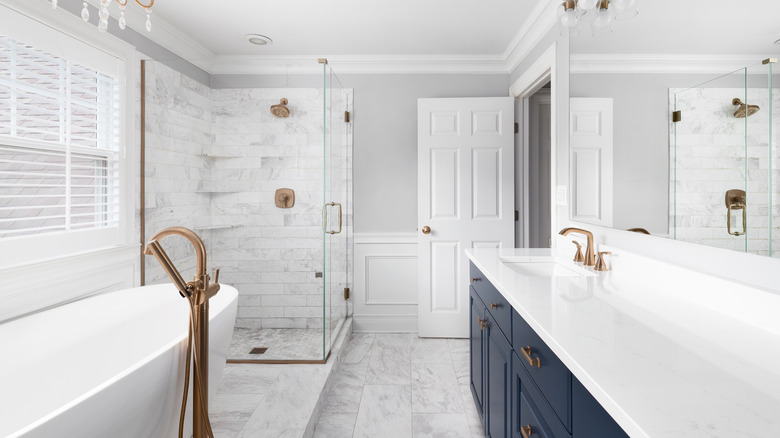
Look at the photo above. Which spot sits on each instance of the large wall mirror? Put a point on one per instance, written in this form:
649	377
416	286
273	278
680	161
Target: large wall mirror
711	177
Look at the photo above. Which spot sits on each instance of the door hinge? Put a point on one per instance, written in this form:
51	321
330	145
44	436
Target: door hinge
346	116
517	216
517	128
676	116
346	293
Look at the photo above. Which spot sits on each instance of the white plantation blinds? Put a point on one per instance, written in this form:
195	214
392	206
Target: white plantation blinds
59	143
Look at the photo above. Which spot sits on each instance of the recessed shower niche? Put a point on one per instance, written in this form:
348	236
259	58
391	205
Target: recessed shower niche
214	159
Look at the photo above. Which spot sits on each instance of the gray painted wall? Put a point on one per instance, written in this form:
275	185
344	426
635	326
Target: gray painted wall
641	139
385	134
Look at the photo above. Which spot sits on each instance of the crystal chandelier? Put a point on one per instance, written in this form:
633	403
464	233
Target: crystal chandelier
594	16
103	13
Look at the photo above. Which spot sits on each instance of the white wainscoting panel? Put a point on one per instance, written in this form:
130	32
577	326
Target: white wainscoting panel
385	289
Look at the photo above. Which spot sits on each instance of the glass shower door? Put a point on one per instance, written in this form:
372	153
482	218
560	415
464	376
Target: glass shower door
336	205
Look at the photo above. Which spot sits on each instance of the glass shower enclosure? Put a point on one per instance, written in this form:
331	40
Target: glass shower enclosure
724	168
271	197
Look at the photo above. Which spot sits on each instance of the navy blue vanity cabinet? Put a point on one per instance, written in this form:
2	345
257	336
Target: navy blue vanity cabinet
521	388
498	368
590	420
476	351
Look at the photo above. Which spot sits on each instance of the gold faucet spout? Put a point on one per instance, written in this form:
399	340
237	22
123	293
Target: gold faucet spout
590	255
197	243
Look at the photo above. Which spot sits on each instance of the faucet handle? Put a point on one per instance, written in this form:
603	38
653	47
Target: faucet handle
216	275
578	257
601	265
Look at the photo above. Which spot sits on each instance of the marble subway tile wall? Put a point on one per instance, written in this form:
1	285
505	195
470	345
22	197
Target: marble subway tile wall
272	255
710	158
178	133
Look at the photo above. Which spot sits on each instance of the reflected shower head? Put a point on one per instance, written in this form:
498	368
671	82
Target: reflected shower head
744	109
281	109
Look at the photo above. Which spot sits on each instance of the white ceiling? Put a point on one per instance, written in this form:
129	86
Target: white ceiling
349	27
741	27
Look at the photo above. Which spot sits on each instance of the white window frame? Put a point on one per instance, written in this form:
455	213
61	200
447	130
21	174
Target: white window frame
17	18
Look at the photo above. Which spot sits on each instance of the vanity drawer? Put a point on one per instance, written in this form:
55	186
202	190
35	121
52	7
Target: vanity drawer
530	408
496	304
545	369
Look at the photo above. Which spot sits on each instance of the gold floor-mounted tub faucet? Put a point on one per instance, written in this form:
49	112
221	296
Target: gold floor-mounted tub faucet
198	292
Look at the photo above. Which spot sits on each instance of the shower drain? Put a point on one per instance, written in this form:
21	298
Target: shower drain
258	350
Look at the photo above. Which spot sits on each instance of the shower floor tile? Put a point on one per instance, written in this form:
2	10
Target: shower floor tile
281	344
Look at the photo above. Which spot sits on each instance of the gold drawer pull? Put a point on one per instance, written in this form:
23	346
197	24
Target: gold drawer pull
493	306
526	431
474	279
482	323
533	361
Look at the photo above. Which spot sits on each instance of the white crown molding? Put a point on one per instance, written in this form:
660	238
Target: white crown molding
657	63
360	64
164	34
534	29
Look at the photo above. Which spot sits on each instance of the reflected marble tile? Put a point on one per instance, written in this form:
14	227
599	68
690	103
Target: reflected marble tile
430	350
440	426
335	425
385	411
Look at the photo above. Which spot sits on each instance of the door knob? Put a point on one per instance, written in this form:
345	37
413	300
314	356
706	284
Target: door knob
426	230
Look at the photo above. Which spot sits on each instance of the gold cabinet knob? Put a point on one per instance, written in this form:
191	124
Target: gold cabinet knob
526	431
474	279
426	230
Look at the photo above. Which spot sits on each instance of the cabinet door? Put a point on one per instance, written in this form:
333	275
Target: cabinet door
498	354
589	418
477	351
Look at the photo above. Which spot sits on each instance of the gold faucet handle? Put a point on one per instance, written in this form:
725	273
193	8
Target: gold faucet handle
216	275
601	265
578	257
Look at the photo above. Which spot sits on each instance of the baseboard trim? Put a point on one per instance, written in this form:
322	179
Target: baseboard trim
385	323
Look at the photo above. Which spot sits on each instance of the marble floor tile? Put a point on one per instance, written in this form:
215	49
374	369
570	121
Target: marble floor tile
458	345
335	425
399	340
435	389
430	350
230	412
386	367
385	411
247	379
440	426
346	390
282	344
359	348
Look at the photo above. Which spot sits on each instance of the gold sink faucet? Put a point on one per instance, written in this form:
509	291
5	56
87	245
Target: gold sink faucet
197	292
590	258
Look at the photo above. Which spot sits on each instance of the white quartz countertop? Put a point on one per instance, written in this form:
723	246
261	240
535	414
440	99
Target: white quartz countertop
667	352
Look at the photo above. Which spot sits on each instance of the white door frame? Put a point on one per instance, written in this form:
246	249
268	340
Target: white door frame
543	70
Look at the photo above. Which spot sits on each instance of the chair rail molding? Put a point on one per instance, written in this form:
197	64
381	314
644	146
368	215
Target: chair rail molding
385	287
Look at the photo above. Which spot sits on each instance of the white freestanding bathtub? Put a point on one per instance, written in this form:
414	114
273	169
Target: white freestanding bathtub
106	366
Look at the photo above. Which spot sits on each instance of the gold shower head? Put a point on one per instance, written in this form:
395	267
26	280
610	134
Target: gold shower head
281	109
744	110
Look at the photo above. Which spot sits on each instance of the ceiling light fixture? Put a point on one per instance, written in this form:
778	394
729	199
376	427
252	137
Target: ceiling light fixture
103	13
579	16
260	40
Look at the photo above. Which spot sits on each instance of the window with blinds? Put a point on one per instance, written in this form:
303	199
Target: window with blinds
59	143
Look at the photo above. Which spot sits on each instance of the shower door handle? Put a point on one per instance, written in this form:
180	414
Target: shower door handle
325	217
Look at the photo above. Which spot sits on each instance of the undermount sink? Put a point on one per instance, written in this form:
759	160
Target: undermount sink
544	267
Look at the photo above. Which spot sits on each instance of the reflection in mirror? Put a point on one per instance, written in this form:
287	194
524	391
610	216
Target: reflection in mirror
633	168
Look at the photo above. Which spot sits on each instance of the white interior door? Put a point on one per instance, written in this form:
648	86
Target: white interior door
465	189
591	160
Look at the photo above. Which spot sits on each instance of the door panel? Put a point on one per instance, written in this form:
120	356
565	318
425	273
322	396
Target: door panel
591	139
465	195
